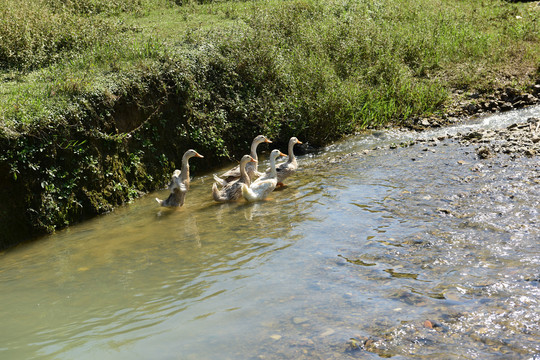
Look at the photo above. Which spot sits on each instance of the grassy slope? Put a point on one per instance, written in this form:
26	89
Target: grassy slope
117	90
365	62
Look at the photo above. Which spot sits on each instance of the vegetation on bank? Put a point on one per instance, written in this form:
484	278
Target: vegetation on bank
99	98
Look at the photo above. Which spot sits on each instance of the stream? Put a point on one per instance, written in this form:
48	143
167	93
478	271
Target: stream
422	251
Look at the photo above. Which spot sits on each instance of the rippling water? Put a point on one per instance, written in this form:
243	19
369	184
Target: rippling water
362	245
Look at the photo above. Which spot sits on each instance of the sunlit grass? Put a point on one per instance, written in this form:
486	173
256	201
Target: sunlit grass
331	66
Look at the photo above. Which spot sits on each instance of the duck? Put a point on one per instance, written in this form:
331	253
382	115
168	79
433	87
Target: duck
179	184
233	190
264	185
288	168
251	167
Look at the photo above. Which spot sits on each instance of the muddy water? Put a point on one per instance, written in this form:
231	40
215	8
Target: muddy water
416	252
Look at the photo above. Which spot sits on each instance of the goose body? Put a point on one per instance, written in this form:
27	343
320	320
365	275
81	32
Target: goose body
263	186
233	190
179	184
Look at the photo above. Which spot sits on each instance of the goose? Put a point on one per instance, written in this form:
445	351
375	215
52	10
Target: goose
288	168
260	188
179	184
233	190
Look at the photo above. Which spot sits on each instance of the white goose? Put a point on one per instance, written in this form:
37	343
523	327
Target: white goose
264	185
288	168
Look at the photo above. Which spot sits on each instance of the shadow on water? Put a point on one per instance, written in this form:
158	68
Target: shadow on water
411	253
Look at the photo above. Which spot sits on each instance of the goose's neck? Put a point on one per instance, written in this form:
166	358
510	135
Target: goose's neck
184	175
273	171
254	150
244	177
292	158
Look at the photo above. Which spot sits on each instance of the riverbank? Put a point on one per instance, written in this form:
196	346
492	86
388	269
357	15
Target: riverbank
93	121
423	251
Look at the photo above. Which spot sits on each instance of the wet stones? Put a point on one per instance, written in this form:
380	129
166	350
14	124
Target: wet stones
516	140
467	105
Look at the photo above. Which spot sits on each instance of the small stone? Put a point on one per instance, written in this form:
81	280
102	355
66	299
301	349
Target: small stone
354	344
328	332
483	152
444	211
368	343
299	320
530	152
428	324
506	106
519	104
275	336
471	108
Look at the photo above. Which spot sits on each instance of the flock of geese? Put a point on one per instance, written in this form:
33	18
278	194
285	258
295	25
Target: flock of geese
244	181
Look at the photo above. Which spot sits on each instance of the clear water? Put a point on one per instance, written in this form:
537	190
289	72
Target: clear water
360	245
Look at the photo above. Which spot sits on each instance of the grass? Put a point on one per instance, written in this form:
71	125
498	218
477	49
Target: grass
338	65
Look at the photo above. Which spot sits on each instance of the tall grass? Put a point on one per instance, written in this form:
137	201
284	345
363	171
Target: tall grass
319	68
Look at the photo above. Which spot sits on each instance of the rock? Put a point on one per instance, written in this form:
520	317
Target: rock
471	108
299	320
506	106
368	344
491	105
354	344
428	324
473	135
483	152
519	104
511	93
328	332
275	337
529	99
444	211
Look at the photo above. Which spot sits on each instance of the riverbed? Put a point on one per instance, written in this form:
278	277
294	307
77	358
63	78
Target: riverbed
380	246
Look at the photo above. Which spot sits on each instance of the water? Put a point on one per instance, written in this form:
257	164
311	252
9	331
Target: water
361	245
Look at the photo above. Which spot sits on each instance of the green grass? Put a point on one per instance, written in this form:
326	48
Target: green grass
298	65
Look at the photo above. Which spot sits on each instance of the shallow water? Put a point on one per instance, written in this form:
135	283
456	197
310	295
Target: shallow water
361	245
